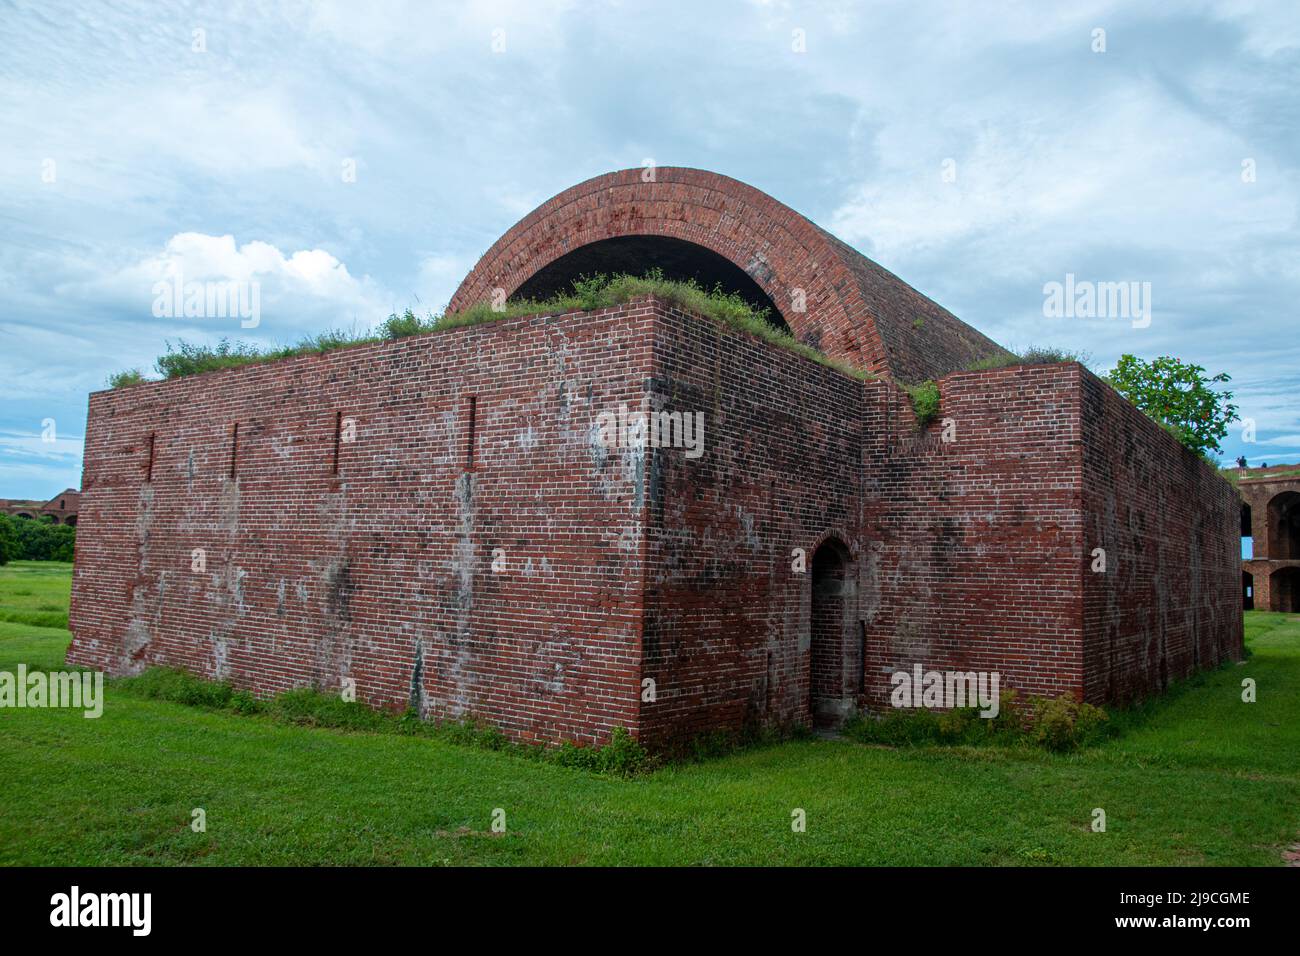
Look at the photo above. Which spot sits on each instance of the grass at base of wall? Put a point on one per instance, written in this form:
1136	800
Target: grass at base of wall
1061	724
1204	779
621	755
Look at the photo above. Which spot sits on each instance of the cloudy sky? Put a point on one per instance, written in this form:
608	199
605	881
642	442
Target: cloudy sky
357	158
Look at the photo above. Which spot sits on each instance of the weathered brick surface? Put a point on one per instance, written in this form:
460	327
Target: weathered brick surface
853	308
726	628
1169	601
974	542
382	572
1274	567
624	564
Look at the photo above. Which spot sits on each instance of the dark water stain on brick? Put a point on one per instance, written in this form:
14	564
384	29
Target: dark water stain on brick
415	700
338	590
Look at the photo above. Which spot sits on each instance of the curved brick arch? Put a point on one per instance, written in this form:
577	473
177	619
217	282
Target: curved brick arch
853	309
1284	525
833	656
838	534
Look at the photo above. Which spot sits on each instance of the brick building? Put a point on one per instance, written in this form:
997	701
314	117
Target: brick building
1270	517
61	509
443	520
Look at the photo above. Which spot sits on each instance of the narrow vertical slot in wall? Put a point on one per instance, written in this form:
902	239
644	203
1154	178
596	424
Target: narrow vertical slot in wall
148	466
862	657
469	432
338	435
234	449
767	689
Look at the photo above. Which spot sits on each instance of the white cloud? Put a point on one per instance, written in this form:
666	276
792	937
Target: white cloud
1122	165
29	462
439	277
305	290
36	446
1269	27
1034	185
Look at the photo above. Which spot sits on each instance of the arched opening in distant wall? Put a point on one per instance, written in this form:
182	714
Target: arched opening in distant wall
1284	590
1284	526
1247	542
1247	590
832	647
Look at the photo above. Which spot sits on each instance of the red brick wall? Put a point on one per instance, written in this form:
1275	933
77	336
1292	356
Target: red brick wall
852	309
1275	564
726	630
965	555
623	564
972	545
313	576
1169	601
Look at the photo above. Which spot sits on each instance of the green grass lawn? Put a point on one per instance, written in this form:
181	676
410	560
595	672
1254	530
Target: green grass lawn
1206	779
35	592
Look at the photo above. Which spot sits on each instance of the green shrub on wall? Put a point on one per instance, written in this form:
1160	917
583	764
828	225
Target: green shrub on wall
925	401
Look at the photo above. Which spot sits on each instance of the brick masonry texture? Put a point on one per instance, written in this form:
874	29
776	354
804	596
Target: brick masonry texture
442	519
624	564
726	627
1167	604
975	542
1271	507
379	568
855	310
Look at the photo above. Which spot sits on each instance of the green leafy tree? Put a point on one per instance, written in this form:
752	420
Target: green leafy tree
10	549
1180	396
33	539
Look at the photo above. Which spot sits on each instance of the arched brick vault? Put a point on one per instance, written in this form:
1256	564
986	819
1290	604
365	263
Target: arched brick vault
855	309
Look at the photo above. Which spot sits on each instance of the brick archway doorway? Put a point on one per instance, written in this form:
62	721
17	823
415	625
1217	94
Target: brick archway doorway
1284	590
1284	526
832	647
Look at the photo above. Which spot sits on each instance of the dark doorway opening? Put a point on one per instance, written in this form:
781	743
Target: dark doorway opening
635	255
831	646
1284	590
1247	591
1247	542
1284	526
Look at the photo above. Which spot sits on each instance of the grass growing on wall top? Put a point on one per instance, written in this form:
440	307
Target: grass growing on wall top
925	401
925	395
587	294
1233	474
1034	355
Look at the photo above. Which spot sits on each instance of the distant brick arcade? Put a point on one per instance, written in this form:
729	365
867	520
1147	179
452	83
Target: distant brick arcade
1270	517
477	549
61	509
